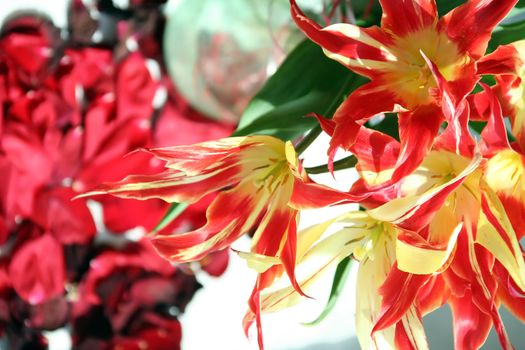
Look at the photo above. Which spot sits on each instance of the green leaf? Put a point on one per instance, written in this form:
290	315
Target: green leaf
445	7
345	163
173	212
306	82
340	276
506	34
511	29
389	125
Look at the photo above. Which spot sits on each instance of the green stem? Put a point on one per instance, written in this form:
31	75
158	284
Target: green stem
345	163
308	139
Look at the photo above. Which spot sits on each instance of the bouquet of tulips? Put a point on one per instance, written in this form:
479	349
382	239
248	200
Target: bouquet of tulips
430	101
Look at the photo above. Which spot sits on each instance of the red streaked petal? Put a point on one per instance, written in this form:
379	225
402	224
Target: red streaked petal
504	60
479	106
289	252
456	137
409	332
455	109
277	235
405	16
360	49
399	292
470	25
377	155
310	195
494	135
365	102
170	185
264	280
515	209
326	124
509	294
230	215
417	131
196	158
433	295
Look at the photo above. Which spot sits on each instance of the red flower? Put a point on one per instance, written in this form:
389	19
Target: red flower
36	269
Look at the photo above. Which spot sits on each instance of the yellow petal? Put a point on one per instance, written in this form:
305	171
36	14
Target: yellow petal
259	262
370	276
488	236
422	261
414	329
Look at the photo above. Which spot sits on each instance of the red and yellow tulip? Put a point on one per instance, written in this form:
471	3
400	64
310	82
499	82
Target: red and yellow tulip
404	59
261	187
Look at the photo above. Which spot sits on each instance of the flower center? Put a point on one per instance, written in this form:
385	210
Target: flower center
412	79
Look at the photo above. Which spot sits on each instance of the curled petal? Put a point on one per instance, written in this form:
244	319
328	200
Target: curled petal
417	131
421	257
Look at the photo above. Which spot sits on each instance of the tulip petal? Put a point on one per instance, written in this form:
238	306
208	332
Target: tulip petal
406	16
371	275
410	333
310	195
171	186
195	158
496	234
470	25
423	258
504	60
471	325
494	135
414	211
433	295
377	154
417	131
230	215
365	102
399	291
510	295
363	50
316	262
